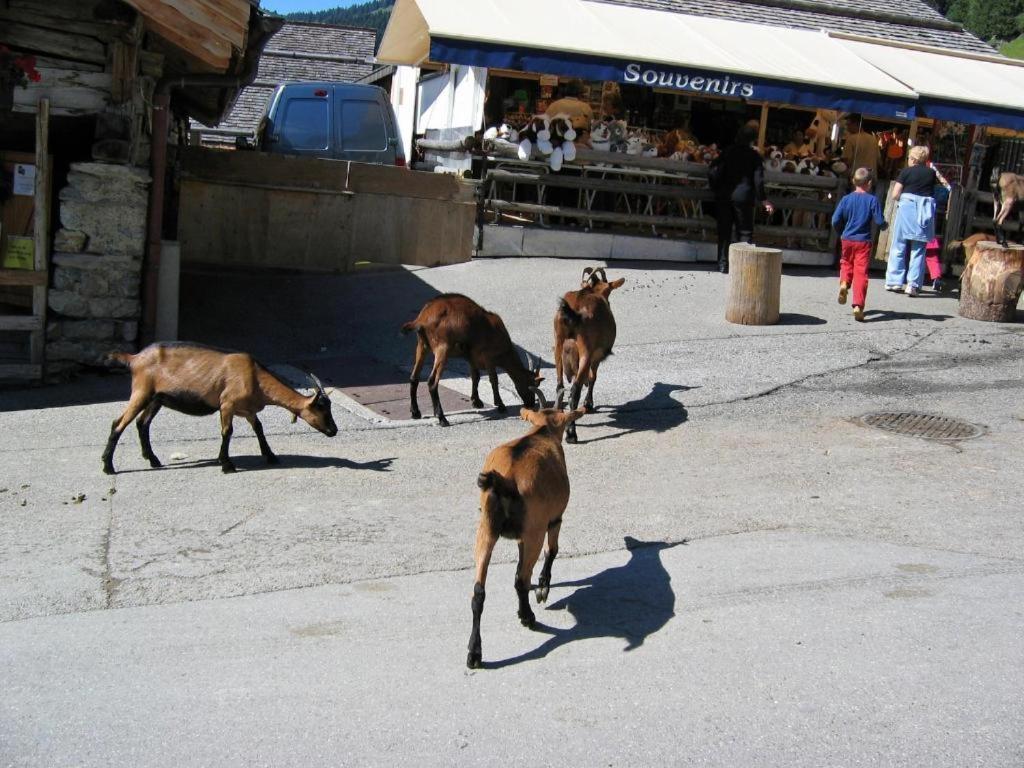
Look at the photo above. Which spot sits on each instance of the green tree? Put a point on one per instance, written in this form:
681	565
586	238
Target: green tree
994	19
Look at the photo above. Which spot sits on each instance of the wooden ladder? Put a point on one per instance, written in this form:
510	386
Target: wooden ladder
38	277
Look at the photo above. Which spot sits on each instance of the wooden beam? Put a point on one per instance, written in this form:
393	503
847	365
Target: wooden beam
207	30
69	92
37	340
21	372
62	44
22	277
44	16
20	323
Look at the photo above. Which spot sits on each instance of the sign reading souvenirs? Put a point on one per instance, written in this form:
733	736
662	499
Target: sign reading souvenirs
659	78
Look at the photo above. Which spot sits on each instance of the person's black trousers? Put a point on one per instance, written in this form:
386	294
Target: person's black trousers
735	225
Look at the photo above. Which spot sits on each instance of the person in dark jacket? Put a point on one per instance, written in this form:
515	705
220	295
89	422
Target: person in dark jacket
737	179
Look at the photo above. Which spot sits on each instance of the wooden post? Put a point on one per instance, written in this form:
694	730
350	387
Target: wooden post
41	233
762	127
991	283
756	279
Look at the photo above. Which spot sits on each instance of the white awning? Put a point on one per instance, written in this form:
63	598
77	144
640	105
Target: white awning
602	41
951	85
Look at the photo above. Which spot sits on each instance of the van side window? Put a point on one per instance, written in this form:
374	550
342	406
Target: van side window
362	126
305	124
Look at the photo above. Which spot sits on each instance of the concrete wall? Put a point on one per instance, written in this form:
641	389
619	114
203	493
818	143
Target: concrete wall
250	209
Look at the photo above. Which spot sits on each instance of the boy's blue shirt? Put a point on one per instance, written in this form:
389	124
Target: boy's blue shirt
855	213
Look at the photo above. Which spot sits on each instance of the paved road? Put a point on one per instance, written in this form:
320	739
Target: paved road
749	575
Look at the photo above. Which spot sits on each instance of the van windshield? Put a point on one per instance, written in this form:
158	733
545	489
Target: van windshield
362	126
304	125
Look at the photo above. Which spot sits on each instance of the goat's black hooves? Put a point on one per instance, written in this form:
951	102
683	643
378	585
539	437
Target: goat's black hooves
108	469
474	660
529	621
443	422
227	469
571	439
478	403
542	594
415	415
154	463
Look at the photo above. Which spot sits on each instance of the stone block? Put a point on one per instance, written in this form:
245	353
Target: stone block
94	284
88	330
69	240
113	308
69	304
130	331
116	229
66	279
85	352
112	263
125	286
105	183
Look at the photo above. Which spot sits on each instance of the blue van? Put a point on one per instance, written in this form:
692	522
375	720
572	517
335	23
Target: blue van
342	121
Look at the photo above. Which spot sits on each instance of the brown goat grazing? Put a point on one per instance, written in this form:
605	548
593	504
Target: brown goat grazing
453	325
524	488
200	381
585	318
1008	192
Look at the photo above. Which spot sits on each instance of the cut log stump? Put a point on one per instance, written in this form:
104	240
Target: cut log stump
756	278
991	283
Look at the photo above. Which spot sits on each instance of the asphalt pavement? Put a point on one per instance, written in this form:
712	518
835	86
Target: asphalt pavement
749	573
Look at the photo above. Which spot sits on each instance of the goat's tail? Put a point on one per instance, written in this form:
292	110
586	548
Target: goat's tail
119	358
569	316
409	327
503	506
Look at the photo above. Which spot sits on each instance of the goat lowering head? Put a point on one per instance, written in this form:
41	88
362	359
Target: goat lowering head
317	410
200	381
453	325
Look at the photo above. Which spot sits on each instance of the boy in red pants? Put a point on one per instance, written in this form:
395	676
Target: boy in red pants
853	217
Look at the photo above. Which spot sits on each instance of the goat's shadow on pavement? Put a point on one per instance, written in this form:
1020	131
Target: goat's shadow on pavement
631	601
657	411
257	463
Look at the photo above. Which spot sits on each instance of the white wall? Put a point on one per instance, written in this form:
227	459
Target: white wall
403	99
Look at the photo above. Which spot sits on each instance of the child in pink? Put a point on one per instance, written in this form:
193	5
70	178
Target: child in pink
853	217
933	261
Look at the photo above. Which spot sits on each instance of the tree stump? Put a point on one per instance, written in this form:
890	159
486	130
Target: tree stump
756	277
991	283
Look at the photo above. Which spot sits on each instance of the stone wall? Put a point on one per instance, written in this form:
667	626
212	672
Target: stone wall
97	263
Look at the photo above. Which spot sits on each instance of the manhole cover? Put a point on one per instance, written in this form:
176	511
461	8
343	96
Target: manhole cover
923	425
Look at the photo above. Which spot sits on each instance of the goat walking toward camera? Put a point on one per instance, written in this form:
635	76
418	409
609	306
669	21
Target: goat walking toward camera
524	489
453	325
584	336
200	381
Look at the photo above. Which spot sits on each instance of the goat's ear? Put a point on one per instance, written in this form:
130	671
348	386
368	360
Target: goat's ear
607	288
568	417
532	416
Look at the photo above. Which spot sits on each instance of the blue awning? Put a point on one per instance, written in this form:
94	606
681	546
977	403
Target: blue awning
692	81
961	87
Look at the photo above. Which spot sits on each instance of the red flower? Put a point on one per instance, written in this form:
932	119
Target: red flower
21	69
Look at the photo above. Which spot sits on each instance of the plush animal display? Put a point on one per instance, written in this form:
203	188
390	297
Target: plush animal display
601	137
